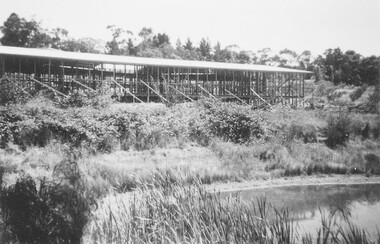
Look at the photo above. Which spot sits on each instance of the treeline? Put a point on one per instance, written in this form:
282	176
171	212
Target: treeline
335	65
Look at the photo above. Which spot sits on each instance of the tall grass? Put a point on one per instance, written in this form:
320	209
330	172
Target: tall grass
188	214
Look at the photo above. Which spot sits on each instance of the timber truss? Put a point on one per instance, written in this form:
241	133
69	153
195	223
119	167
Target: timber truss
156	80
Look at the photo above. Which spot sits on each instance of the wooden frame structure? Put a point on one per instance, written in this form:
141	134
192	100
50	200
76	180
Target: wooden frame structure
135	79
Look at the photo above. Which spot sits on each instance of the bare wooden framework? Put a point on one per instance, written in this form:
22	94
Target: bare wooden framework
148	83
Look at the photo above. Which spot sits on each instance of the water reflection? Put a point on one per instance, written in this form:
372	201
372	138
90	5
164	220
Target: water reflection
305	203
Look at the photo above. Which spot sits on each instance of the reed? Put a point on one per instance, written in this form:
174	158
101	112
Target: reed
175	213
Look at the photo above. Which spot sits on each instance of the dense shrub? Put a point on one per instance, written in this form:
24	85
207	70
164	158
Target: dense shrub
13	92
372	165
373	104
47	212
357	93
81	98
338	130
228	121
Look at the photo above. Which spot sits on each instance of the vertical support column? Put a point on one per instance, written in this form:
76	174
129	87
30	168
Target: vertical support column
89	75
94	78
274	93
148	82
158	81
101	72
62	76
248	92
224	83
217	92
19	69
2	66
291	88
212	87
233	83
303	84
167	83
196	87
49	70
114	77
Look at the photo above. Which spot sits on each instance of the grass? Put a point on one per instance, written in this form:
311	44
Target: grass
189	214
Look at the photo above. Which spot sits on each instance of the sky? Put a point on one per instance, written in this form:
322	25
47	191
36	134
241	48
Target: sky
251	24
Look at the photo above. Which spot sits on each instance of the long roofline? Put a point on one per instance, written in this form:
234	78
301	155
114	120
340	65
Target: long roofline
139	61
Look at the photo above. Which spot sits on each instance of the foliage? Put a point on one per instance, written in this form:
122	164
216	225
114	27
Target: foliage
373	104
53	212
228	121
13	92
357	93
22	33
338	130
349	67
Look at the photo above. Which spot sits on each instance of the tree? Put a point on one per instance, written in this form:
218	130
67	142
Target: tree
243	57
350	68
304	60
369	70
58	36
205	49
131	47
161	39
288	58
264	55
146	33
333	62
118	45
22	33
188	45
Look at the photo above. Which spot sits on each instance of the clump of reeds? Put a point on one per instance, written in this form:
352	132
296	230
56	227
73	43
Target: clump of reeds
188	214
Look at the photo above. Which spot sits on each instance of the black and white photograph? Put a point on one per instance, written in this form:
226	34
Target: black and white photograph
178	121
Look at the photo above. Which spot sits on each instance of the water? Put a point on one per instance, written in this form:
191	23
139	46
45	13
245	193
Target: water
307	202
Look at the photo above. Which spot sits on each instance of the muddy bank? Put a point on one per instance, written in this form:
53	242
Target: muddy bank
291	181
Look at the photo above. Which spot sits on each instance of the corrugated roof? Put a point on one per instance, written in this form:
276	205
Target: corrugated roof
138	61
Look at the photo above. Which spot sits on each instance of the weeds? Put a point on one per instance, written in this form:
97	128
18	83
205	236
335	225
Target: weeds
177	214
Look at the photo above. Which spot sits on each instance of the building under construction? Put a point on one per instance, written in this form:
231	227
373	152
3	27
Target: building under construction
136	79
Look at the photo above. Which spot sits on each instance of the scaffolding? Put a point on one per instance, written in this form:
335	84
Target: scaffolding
138	79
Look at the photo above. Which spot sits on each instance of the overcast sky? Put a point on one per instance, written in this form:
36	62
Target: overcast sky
298	25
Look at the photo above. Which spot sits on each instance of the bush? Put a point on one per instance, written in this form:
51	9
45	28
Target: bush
53	212
372	165
100	98
13	92
227	121
373	104
357	93
337	131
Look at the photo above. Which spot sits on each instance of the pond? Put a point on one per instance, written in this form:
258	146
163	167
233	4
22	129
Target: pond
306	203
